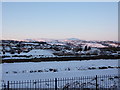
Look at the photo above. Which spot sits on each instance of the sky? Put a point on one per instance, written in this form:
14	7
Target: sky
59	20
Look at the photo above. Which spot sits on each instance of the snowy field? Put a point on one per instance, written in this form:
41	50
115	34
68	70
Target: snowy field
61	69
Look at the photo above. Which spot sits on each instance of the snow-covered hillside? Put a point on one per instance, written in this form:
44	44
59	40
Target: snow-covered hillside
99	44
95	45
11	49
35	53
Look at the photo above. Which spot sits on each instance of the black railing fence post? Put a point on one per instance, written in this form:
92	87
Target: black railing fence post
8	85
55	83
96	82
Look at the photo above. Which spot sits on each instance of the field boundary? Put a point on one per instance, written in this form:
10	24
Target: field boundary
63	58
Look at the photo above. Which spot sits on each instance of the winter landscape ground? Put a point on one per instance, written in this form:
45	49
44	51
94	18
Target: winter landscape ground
49	70
25	55
30	71
45	50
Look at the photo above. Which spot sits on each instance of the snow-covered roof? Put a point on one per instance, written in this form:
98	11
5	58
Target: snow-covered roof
40	52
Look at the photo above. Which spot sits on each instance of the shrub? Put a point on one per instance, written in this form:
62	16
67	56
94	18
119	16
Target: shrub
103	67
40	71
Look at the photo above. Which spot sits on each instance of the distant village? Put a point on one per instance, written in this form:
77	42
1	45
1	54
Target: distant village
12	49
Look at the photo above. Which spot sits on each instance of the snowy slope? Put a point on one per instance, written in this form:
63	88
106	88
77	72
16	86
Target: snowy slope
34	53
95	45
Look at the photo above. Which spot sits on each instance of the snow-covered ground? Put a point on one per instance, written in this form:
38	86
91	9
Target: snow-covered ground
61	69
95	45
35	53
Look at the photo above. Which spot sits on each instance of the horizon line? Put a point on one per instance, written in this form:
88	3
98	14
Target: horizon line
38	39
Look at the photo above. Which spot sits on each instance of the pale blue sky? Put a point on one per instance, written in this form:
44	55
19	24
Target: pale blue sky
83	20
